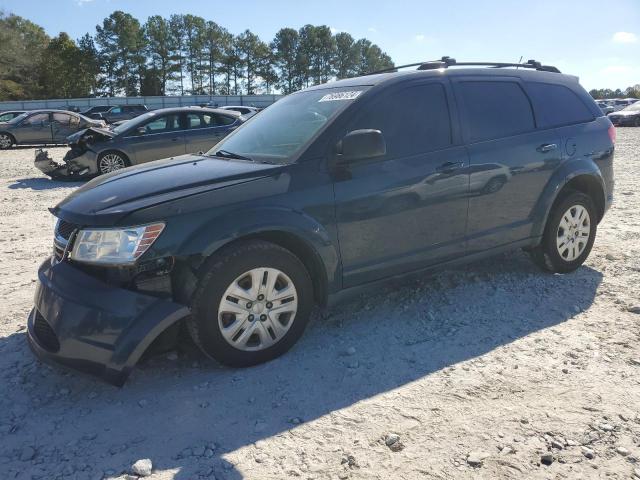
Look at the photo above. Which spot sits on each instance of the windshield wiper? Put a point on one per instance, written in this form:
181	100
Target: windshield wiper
228	154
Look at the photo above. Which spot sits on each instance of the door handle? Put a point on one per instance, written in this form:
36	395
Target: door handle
546	147
175	139
449	167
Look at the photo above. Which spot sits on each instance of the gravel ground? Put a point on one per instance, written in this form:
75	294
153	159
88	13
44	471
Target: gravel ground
494	370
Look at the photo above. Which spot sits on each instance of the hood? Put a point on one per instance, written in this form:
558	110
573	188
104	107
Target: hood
108	198
91	133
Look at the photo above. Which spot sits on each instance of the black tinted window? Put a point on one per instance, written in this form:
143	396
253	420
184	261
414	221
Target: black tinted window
413	120
495	109
557	105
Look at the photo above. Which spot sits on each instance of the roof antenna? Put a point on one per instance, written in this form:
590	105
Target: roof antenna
519	61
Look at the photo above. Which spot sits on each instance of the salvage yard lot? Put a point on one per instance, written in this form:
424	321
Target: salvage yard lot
490	370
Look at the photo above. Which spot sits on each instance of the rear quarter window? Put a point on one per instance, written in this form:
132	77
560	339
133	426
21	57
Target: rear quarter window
495	109
557	105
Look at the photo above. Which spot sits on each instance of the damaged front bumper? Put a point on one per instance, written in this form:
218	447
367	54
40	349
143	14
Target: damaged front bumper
76	166
85	324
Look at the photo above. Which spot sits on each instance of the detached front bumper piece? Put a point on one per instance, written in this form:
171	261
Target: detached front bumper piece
82	323
75	167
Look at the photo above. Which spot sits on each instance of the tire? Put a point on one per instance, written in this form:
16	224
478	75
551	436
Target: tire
6	141
556	253
239	328
111	161
636	122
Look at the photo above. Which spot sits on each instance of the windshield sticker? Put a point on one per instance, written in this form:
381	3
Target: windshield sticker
332	97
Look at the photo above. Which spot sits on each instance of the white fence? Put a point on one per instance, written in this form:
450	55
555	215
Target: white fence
150	102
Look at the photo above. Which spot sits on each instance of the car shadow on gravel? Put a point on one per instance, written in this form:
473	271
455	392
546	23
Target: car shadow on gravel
43	184
189	415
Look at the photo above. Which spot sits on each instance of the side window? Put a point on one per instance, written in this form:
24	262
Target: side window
557	105
195	120
413	120
495	109
221	120
162	124
62	118
116	110
37	119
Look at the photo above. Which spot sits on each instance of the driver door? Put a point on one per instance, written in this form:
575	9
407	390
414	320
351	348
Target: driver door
163	137
408	208
35	129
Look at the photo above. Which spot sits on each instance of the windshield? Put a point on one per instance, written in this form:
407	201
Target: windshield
18	119
633	106
282	130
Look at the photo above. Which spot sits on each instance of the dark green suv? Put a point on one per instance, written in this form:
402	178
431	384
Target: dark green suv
328	191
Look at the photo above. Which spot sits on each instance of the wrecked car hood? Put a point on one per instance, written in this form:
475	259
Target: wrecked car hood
108	198
95	132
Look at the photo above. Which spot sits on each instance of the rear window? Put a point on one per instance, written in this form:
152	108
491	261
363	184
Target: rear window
495	109
557	105
413	120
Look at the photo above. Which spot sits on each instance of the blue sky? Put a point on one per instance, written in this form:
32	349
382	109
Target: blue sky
597	40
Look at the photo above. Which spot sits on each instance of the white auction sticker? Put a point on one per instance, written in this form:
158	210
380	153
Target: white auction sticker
331	97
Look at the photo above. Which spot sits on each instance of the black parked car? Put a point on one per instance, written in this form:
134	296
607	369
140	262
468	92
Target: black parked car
92	112
325	192
118	113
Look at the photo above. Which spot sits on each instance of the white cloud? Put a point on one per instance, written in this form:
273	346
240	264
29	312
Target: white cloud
616	69
420	37
624	37
372	29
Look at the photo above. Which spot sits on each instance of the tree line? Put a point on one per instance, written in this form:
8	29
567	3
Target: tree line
629	92
182	54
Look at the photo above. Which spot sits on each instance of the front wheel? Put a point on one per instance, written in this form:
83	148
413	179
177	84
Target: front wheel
252	303
111	161
568	236
6	141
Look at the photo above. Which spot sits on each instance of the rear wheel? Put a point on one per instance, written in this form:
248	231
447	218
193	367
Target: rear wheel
6	141
569	234
252	303
111	161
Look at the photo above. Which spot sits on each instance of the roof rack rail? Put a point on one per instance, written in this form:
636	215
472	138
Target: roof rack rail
446	62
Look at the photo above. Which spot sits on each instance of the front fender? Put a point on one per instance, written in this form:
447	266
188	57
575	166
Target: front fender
567	171
237	224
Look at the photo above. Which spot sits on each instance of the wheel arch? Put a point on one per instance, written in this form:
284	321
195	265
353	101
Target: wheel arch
304	251
293	230
583	177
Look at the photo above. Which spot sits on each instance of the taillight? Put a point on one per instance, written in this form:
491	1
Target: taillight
612	134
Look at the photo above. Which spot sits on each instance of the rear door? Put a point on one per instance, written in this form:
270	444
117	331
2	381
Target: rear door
205	129
63	125
511	159
163	138
34	129
407	209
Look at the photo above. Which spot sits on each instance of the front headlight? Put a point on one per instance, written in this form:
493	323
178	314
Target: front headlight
114	246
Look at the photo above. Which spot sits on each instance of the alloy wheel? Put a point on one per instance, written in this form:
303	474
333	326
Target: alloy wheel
573	233
5	141
257	309
111	162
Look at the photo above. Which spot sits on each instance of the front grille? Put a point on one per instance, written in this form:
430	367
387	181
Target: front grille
45	335
65	229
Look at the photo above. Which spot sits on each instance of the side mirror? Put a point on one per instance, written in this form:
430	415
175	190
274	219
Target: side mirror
141	130
361	144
